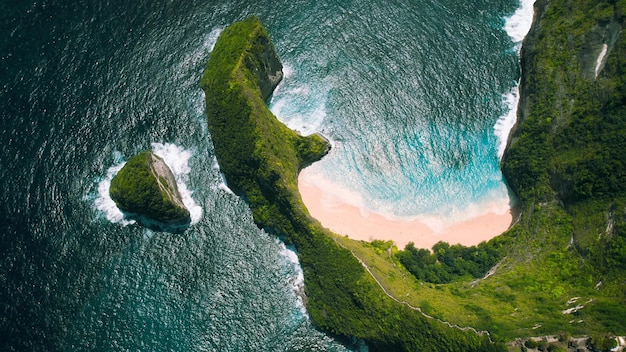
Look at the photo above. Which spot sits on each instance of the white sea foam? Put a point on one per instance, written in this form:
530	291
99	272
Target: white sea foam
296	282
496	201
518	25
333	194
176	158
222	185
305	123
287	71
300	106
505	123
278	106
103	201
211	38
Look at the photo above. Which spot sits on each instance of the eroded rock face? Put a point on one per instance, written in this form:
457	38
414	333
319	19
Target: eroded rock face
265	65
146	186
597	45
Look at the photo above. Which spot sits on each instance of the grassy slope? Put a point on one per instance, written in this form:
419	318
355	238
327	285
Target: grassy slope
260	158
566	162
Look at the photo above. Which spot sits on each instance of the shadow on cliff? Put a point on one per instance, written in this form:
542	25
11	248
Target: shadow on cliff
177	227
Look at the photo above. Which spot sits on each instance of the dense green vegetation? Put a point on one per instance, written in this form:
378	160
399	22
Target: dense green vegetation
446	263
566	161
135	189
260	158
571	137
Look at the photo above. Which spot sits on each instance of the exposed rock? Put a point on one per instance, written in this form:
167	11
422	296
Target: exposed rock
597	45
146	186
265	65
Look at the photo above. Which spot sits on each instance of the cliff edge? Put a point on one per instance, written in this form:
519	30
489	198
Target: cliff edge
569	139
146	186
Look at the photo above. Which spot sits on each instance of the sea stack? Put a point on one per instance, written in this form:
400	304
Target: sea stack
145	186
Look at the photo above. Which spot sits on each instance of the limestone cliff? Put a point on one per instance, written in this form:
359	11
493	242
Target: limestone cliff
146	186
568	139
265	65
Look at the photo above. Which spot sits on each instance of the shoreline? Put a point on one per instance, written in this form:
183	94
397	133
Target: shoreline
349	220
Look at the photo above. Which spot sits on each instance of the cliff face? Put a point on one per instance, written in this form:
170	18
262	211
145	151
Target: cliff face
166	181
264	65
569	136
566	157
146	186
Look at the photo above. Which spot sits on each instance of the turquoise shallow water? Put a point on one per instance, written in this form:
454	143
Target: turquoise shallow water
410	104
409	94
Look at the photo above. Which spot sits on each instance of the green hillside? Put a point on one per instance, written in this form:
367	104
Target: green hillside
566	161
260	159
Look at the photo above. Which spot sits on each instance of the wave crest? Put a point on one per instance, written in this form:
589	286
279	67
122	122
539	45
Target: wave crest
518	25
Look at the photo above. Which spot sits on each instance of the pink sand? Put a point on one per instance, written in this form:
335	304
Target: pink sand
347	219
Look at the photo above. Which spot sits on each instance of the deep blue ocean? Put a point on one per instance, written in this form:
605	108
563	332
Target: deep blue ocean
416	97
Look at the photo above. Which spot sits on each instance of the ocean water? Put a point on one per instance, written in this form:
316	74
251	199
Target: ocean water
418	110
416	98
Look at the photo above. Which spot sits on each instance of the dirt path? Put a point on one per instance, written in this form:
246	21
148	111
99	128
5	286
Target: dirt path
454	326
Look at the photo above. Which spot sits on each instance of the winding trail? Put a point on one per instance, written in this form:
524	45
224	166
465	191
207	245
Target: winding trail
454	326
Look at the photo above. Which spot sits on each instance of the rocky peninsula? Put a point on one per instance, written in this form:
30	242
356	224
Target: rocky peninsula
261	158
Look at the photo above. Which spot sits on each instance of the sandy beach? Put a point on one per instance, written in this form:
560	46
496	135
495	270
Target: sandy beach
347	219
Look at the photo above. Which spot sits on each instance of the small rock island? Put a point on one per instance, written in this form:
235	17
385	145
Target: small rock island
145	186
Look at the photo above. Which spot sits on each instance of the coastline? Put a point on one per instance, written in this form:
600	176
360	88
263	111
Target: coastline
260	159
349	220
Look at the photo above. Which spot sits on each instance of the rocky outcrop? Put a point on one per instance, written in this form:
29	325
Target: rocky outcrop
166	180
265	65
145	186
597	46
